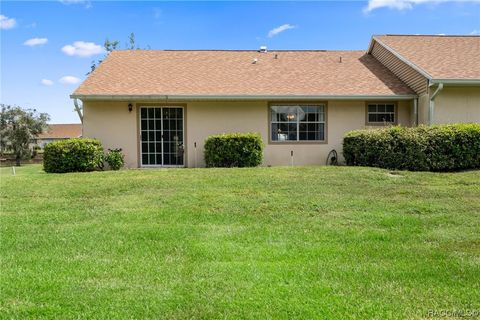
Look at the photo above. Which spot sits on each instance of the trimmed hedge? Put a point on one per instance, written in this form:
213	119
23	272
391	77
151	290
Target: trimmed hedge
424	148
115	159
234	150
73	155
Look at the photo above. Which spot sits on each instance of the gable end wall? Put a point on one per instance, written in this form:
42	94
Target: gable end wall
407	74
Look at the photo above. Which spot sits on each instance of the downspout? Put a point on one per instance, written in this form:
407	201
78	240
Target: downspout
431	109
78	109
415	112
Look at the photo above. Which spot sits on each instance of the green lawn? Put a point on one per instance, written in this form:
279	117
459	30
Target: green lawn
311	242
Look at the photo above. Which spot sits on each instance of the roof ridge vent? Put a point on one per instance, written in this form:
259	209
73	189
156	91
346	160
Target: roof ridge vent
263	49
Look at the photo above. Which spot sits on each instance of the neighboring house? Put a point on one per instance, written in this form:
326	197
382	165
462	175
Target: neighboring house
57	132
152	104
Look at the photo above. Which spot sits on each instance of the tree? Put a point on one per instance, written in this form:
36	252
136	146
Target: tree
18	128
109	46
131	41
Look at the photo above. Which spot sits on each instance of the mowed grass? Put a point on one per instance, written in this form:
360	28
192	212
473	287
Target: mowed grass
303	242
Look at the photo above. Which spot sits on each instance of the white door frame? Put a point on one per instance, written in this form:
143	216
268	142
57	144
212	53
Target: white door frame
161	121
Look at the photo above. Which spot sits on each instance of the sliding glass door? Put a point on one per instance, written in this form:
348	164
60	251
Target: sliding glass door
161	136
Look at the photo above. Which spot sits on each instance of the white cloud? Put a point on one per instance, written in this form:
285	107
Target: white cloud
83	49
69	80
6	22
404	4
46	82
279	29
475	32
35	42
87	3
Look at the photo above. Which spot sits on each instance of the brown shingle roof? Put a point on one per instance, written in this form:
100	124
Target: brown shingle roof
223	73
442	57
62	131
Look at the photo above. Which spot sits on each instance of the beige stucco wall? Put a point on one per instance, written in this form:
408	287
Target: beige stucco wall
114	125
423	105
117	128
457	105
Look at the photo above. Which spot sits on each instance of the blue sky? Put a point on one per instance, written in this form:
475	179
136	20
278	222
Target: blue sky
48	46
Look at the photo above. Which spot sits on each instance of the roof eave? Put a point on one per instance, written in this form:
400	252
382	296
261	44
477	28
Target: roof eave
95	97
456	82
399	56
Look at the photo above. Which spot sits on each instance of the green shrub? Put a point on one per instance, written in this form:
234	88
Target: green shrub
73	155
115	159
234	150
433	148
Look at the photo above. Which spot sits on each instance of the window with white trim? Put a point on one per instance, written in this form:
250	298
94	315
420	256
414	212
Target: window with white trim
305	122
381	113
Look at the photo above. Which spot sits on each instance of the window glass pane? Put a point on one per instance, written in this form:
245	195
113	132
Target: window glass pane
159	158
144	135
151	158
157	113
144	125
297	122
292	131
306	109
179	160
274	132
282	128
321	117
284	113
151	135
312	117
166	147
312	127
312	135
321	132
302	115
143	112
144	159
167	159
166	135
151	112
382	113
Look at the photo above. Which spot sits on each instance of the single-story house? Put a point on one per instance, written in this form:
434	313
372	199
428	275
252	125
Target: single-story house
56	132
159	106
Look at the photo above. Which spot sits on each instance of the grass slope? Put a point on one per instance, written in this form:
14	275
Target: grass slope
313	242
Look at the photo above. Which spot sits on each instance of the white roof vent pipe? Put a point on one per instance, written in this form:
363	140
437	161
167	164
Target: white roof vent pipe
263	49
